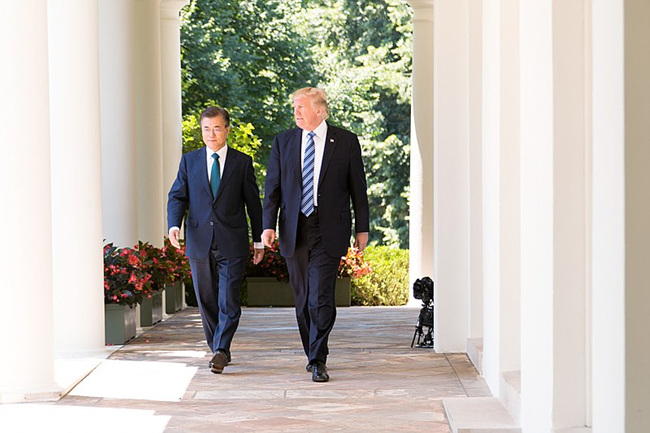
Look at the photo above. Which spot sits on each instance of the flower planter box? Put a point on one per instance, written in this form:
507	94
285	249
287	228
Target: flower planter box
119	323
151	309
173	297
269	292
343	290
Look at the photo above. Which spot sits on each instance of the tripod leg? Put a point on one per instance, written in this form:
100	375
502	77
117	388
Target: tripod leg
417	328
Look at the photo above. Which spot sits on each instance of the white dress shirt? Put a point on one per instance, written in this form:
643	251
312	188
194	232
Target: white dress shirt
320	134
223	153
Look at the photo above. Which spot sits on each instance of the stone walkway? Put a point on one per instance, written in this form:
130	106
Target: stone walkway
378	382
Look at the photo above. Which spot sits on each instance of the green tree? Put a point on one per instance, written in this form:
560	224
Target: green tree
251	54
363	48
246	54
241	137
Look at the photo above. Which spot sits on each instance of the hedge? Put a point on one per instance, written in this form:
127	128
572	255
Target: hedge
388	283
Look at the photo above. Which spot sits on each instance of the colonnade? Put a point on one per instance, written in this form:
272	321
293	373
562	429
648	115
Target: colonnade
529	185
84	158
538	201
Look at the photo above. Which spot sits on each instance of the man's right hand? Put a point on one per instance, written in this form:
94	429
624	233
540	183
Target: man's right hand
268	237
174	237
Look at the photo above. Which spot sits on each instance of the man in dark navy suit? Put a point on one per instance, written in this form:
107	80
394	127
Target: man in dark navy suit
216	184
314	171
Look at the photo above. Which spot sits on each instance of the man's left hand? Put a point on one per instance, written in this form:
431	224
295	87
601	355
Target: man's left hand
257	255
360	241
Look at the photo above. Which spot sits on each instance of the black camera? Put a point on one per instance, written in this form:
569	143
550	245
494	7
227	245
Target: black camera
423	289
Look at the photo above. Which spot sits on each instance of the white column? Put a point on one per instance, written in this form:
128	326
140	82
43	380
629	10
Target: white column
451	175
509	190
491	181
149	127
537	330
26	323
475	167
117	86
637	216
553	216
569	239
608	218
76	178
171	92
501	189
421	189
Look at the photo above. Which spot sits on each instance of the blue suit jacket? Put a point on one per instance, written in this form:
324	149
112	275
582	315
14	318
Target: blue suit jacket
225	214
342	178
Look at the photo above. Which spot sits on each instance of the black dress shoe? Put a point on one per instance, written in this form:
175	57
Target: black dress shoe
218	361
319	372
309	368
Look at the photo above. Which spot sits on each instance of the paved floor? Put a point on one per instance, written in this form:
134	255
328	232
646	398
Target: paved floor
378	382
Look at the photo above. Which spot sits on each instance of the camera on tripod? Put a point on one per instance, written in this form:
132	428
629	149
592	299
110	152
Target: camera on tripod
423	290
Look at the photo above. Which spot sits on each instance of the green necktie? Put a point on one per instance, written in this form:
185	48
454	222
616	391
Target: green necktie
214	175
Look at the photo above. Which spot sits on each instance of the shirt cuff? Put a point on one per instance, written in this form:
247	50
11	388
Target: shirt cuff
258	245
173	228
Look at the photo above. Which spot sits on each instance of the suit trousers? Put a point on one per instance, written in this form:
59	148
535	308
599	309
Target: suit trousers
312	273
217	284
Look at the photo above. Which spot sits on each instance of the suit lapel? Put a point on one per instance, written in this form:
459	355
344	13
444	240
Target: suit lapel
294	153
330	145
200	169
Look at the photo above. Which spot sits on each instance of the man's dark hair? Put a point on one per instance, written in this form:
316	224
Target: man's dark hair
211	112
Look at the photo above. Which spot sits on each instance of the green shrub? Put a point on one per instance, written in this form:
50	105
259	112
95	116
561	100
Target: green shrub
388	283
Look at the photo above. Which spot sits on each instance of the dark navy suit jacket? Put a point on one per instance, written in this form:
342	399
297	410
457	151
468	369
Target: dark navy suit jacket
225	214
342	178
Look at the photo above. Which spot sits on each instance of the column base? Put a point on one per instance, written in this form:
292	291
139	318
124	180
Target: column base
479	415
475	353
37	395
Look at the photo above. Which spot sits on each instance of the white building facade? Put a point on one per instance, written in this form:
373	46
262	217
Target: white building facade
535	220
530	189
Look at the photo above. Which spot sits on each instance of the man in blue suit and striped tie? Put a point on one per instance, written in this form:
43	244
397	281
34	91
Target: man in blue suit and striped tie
216	186
314	172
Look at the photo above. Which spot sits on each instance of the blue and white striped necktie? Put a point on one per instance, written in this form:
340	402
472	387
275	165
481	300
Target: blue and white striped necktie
307	200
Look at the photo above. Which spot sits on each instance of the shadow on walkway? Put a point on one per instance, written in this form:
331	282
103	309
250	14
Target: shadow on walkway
378	382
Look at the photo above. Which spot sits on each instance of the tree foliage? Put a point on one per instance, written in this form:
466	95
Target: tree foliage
245	55
250	55
241	137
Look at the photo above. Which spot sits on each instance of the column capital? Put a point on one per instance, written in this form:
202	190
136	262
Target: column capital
422	10
169	9
420	4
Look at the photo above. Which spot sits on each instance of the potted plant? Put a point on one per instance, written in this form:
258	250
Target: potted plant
268	281
353	265
156	264
178	273
126	284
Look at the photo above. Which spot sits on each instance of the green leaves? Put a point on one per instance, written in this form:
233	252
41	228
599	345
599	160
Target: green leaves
250	55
